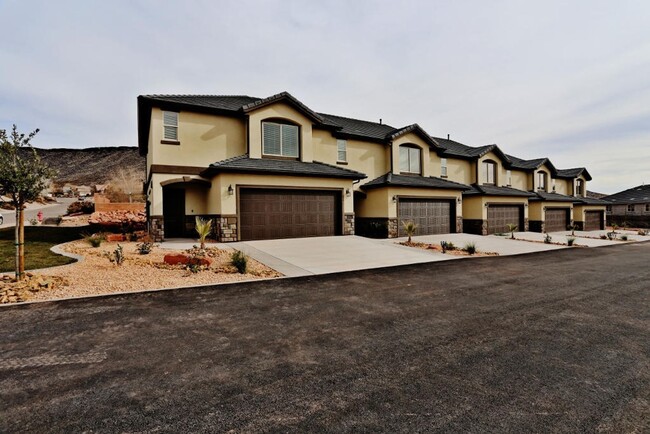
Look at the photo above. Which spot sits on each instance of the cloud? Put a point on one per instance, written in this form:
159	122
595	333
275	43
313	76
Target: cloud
570	81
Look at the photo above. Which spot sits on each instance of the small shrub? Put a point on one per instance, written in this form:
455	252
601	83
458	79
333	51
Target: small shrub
623	237
410	228
570	241
512	228
642	232
33	221
203	229
603	237
548	239
116	256
145	247
94	240
240	261
470	248
611	235
447	245
59	220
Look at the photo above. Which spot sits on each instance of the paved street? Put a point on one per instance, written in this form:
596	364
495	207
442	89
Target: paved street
556	341
49	210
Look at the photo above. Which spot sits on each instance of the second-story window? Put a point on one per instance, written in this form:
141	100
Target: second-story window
443	167
579	187
409	159
170	126
489	172
541	181
280	139
342	150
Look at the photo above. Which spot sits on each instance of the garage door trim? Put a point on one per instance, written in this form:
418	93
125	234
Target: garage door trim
240	187
452	208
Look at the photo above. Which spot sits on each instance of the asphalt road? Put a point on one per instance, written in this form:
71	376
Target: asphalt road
50	210
549	342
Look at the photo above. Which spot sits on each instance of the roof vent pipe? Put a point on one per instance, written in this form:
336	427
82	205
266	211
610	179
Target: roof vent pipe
447	136
380	121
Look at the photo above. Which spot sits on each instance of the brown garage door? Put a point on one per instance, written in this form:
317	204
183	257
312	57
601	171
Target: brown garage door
556	220
271	214
431	216
593	220
499	216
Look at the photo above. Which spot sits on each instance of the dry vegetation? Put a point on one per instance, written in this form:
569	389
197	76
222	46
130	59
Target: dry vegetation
457	251
97	275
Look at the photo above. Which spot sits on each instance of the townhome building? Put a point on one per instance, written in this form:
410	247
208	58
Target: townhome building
630	207
266	168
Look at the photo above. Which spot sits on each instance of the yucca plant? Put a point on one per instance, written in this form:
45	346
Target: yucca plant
409	228
203	228
470	248
572	227
512	228
570	240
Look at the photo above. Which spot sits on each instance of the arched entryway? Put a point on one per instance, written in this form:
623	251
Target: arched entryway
175	201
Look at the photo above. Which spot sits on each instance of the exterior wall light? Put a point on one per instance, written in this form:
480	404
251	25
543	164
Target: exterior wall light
459	200
347	192
394	199
231	190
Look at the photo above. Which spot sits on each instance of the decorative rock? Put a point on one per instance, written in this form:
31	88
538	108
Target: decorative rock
179	258
114	237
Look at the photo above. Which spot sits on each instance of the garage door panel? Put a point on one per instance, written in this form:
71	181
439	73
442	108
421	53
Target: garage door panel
273	214
556	220
593	220
500	216
431	216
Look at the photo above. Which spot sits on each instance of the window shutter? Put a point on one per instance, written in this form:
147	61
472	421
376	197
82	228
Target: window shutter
170	118
290	140
170	125
271	138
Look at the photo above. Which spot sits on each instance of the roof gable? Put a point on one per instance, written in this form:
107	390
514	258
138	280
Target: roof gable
285	97
414	128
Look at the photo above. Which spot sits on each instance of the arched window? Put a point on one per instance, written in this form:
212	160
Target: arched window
280	139
410	159
489	172
579	188
541	180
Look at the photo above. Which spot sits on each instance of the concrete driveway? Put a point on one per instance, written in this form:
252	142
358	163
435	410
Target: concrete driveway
322	255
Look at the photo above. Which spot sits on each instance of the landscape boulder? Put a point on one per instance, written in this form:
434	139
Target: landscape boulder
182	259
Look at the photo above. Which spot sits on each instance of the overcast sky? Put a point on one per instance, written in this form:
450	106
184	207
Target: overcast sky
568	80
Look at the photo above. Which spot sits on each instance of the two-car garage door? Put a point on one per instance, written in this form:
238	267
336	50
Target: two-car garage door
431	216
271	214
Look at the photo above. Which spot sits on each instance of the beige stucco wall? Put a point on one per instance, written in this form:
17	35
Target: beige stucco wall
379	202
474	207
500	171
579	211
459	171
195	199
203	139
536	209
280	111
365	157
564	186
521	180
413	139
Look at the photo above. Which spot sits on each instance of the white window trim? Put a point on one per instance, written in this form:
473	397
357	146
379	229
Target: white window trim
281	140
339	150
443	167
164	125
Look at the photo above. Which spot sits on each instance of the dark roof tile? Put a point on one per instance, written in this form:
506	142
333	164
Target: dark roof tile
638	194
493	190
390	179
244	163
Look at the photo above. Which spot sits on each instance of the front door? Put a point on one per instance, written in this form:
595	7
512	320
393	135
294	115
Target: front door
174	212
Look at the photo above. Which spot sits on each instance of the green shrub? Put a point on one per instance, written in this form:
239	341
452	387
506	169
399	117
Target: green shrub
203	229
145	247
33	221
240	261
470	248
570	241
116	256
623	237
409	227
94	240
447	245
512	228
548	239
642	232
611	235
603	237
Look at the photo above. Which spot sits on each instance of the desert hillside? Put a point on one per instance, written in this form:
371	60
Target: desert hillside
91	165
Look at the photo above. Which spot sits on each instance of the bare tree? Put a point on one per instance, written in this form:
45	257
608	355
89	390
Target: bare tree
126	183
22	178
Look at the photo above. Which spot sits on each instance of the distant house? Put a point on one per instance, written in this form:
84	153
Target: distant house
631	207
